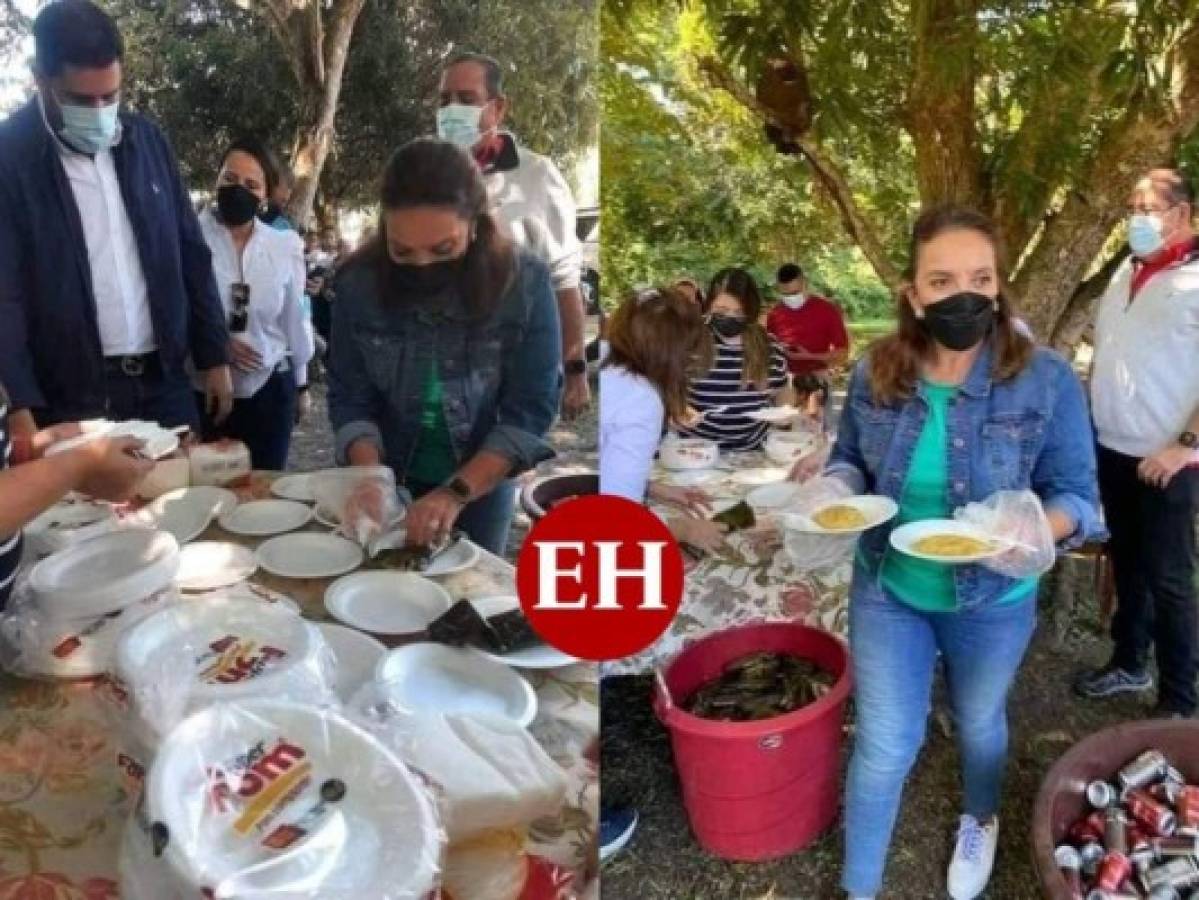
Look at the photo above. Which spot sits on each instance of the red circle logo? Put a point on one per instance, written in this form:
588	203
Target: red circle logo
600	577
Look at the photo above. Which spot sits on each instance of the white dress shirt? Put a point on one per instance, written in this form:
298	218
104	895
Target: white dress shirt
630	429
272	265
1145	375
118	285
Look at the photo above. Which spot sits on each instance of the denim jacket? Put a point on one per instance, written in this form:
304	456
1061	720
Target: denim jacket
1031	431
501	379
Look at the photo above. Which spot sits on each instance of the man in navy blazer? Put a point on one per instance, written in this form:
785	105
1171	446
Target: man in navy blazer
107	294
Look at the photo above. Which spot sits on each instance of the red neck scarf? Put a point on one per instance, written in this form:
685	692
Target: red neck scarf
1169	256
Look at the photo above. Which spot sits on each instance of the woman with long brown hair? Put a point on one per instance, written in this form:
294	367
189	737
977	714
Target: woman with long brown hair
444	362
656	340
749	371
955	415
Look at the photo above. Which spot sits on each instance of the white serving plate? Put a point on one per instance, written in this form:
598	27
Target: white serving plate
208	565
773	496
876	509
775	415
266	517
309	555
543	656
187	512
157	441
458	558
105	574
297	487
67	523
377	837
431	678
357	657
693	477
904	537
759	476
387	602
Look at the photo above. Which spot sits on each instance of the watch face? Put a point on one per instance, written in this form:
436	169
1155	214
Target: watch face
1189	439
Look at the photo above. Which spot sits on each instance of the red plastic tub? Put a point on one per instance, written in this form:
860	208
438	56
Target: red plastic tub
757	790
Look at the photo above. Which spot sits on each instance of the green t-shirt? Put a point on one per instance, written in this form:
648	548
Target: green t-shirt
433	460
920	583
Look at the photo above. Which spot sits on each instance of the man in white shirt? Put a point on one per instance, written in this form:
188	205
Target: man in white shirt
1145	400
529	194
106	287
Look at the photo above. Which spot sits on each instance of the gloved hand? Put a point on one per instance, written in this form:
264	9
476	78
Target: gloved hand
362	498
811	552
1019	518
810	465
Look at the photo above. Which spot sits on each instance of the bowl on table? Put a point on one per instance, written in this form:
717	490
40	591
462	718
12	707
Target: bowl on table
681	454
543	494
786	447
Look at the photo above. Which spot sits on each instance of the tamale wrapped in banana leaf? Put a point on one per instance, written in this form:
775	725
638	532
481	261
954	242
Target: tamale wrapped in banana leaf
760	686
736	517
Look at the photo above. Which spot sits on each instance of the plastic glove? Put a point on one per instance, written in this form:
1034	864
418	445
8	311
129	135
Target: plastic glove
812	464
363	499
811	552
1017	517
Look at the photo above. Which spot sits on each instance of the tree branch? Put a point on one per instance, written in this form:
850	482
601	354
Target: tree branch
1078	312
855	221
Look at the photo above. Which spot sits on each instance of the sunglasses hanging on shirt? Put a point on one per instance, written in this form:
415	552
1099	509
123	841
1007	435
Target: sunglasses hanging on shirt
239	319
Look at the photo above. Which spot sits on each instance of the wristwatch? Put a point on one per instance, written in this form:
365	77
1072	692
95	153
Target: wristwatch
1189	439
458	489
576	367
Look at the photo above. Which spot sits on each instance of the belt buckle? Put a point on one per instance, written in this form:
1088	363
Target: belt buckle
133	366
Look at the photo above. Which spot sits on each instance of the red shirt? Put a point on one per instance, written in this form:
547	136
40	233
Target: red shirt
817	327
1167	257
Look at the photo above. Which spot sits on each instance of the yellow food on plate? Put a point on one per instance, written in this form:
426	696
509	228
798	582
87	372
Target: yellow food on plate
951	545
840	517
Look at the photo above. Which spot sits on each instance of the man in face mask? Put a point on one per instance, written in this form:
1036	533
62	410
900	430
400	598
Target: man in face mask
810	328
106	285
527	192
275	213
1145	400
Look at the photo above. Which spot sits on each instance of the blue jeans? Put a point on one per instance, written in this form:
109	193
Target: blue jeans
487	520
894	651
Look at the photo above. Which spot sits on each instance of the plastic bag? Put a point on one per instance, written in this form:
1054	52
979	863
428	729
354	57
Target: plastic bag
491	773
1015	517
361	499
264	799
812	552
193	654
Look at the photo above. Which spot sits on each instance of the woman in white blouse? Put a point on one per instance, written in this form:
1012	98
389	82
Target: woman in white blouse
261	277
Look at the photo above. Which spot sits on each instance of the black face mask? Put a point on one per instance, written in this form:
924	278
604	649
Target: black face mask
727	326
431	278
236	204
960	321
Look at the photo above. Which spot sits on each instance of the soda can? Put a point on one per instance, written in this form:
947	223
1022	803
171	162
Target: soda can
1179	874
1154	816
1173	776
1147	768
1069	863
1101	795
1166	792
1092	854
1165	892
1113	871
1175	846
1087	829
1187	806
1115	831
1138	839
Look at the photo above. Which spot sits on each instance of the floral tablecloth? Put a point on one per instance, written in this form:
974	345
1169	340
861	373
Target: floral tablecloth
63	806
753	580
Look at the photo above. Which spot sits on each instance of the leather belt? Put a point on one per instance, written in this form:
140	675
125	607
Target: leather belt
132	366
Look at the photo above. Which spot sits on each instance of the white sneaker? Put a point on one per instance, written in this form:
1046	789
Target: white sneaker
973	858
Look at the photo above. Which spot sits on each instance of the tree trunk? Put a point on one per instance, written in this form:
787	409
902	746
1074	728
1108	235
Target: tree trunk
1073	322
316	39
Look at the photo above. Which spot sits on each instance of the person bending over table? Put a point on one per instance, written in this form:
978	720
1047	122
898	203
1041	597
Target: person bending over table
444	363
956	414
260	275
30	483
749	372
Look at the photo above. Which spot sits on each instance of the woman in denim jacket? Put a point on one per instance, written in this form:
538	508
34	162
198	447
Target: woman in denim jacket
956	414
444	358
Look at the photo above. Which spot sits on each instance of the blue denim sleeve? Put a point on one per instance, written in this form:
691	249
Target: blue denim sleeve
530	383
354	404
845	461
1065	475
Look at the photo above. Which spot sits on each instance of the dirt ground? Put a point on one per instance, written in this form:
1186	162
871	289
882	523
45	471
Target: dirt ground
663	860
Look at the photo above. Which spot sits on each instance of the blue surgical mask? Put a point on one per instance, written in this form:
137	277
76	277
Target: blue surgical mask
1144	234
90	129
459	124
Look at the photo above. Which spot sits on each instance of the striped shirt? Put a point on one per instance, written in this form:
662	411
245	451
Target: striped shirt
10	545
722	387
